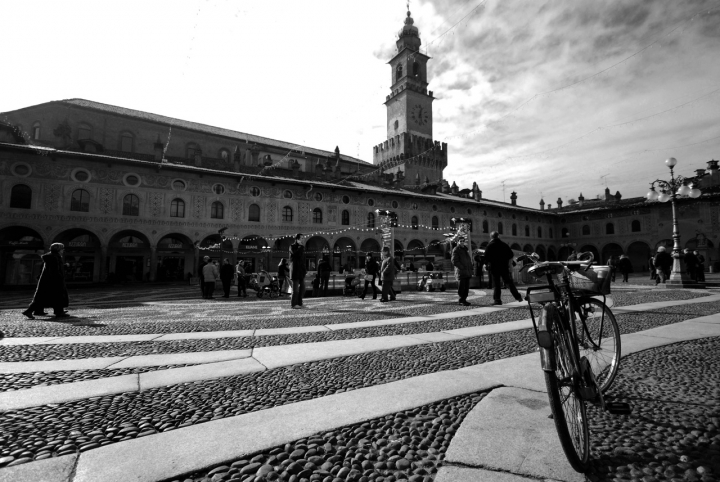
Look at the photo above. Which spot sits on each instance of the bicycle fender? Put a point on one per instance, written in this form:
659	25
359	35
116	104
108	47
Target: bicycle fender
547	359
547	317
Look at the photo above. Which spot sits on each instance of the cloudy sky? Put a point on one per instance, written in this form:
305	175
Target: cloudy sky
551	98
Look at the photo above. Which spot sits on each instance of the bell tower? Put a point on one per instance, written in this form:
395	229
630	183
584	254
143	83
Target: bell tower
410	147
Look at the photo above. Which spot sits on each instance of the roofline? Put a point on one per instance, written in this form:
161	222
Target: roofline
168	123
416	52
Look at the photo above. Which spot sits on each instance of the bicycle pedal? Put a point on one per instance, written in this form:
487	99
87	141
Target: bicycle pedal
618	408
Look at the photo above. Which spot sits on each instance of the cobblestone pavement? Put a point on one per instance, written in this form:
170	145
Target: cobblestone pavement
677	385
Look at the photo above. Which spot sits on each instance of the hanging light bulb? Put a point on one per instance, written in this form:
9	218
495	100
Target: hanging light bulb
683	190
652	195
695	193
664	197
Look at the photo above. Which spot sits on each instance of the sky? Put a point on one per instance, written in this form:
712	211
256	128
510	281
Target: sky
547	99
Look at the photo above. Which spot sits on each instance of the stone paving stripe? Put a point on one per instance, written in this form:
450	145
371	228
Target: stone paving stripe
708	319
66	392
436	337
27	340
284	355
101	339
60	365
467	474
517	421
472	331
684	330
205	335
665	304
55	469
290	330
170	454
208	371
181	358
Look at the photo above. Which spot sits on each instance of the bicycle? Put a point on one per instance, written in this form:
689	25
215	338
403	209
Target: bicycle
579	364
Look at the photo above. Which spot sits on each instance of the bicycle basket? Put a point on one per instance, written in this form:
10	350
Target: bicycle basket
595	280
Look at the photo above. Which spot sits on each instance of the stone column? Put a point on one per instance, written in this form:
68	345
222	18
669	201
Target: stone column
103	263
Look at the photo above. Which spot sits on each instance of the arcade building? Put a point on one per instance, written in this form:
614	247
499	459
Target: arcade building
136	196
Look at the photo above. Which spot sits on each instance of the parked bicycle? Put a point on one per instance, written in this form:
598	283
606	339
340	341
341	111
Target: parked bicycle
579	343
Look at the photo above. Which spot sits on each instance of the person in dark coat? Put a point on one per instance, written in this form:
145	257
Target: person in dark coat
51	290
206	260
651	264
371	269
227	274
498	256
411	267
479	261
298	270
462	262
663	263
429	266
690	264
387	275
324	270
625	267
283	272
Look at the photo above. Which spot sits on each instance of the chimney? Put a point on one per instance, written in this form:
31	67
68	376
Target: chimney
712	166
454	189
549	206
445	186
513	198
559	203
158	149
608	196
542	204
618	196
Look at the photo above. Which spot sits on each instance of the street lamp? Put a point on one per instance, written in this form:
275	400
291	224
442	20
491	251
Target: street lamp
669	191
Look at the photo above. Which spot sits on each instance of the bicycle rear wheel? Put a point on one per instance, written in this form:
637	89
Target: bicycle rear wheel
599	340
568	408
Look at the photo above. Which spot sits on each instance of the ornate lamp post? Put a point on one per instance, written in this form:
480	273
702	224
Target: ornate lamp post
669	191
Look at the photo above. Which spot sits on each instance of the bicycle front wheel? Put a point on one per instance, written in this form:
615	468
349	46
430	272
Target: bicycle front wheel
599	340
568	408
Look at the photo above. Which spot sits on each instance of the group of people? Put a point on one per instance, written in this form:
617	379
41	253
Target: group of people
661	265
621	264
498	258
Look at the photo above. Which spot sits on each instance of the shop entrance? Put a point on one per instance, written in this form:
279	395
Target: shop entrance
171	268
129	269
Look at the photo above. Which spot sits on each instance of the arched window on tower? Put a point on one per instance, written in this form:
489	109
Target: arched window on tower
317	216
177	208
21	196
131	205
414	222
287	214
609	228
635	227
371	220
416	69
435	223
345	218
254	213
217	210
398	73
80	201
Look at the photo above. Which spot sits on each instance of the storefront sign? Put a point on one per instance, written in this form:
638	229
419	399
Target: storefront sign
129	245
174	246
248	246
77	244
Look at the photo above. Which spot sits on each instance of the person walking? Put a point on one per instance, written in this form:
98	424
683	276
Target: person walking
283	272
625	267
371	269
498	256
298	271
613	262
462	262
51	290
479	261
651	264
690	264
324	270
700	270
411	267
240	274
662	262
210	274
227	274
387	275
429	266
201	278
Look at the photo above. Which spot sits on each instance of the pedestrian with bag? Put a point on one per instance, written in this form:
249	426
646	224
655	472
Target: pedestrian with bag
663	263
298	271
371	271
462	262
227	274
283	273
201	277
387	275
240	274
51	290
210	275
498	256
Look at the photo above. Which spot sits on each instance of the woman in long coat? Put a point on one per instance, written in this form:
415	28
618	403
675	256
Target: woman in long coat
51	290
